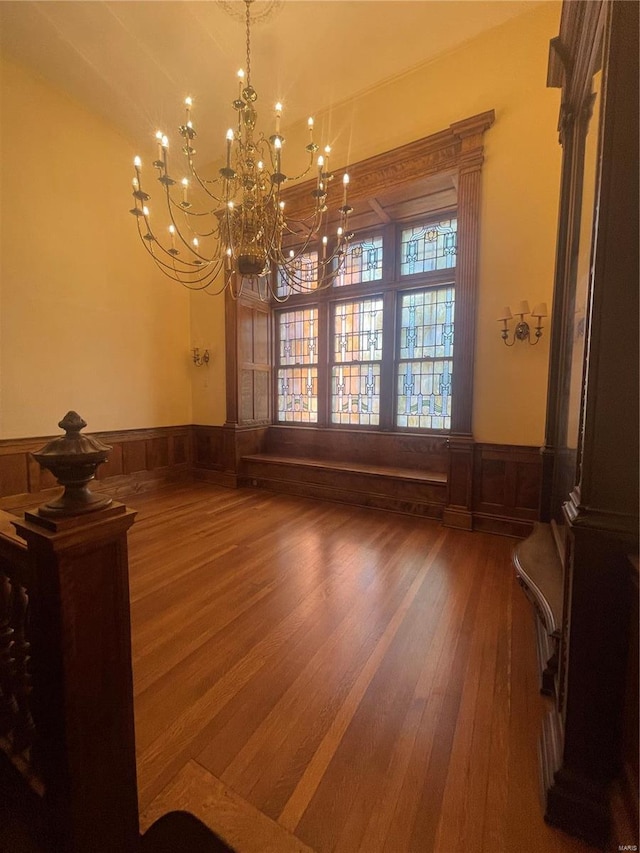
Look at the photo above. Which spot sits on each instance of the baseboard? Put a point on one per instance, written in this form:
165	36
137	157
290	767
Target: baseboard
228	479
501	525
462	519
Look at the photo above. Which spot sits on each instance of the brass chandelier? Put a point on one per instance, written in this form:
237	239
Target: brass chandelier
234	226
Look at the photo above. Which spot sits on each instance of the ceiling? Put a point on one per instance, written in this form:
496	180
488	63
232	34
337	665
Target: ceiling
135	62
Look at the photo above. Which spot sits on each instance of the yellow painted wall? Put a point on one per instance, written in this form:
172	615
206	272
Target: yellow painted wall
86	321
504	69
208	385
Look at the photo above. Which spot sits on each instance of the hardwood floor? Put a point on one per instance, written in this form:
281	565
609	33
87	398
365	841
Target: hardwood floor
317	677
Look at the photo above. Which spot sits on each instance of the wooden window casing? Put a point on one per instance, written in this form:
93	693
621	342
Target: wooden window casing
453	157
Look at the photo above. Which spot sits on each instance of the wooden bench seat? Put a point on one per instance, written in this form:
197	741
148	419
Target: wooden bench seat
408	490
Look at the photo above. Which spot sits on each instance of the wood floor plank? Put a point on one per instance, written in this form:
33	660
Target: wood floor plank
416	820
463	805
415	736
368	679
298	802
358	768
494	831
270	779
241	825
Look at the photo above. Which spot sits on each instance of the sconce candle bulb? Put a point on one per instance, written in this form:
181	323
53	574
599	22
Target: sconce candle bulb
200	359
522	330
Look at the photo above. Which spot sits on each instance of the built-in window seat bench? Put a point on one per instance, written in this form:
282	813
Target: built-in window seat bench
393	471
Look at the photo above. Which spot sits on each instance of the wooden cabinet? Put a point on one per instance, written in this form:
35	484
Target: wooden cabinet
590	469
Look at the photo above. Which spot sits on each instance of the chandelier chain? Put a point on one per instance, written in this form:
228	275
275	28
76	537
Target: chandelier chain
248	4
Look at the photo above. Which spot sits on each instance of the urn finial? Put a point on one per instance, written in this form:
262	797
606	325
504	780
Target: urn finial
73	460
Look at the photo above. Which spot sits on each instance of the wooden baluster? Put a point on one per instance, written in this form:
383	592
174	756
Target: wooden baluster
24	728
8	707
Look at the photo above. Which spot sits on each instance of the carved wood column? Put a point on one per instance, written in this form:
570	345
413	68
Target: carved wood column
458	512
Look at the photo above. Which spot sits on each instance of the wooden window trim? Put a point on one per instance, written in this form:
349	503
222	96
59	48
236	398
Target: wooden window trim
457	151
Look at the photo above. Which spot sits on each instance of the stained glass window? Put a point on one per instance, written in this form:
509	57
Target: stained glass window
357	351
300	277
424	394
355	397
405	384
298	371
358	330
425	364
298	394
363	262
426	323
426	248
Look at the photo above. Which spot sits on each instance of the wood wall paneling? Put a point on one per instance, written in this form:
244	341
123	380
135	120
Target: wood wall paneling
179	447
261	337
207	446
508	479
157	452
14	474
114	465
492	482
262	393
399	450
246	395
504	479
250	367
139	459
458	512
506	488
134	456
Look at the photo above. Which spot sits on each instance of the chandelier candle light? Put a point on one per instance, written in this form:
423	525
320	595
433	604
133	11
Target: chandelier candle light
241	227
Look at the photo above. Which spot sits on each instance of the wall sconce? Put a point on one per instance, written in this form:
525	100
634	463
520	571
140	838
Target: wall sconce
200	359
522	331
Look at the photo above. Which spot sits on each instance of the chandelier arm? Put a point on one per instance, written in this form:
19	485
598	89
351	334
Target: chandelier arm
187	213
229	230
276	225
201	283
174	274
325	280
171	202
230	275
149	239
310	223
178	230
299	251
306	171
202	183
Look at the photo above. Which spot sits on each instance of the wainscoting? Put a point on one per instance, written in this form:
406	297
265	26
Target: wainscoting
332	464
394	471
506	488
140	459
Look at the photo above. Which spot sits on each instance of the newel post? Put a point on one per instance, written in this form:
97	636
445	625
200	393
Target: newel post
81	644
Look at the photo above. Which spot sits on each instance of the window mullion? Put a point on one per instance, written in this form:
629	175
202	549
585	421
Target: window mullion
324	359
387	371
